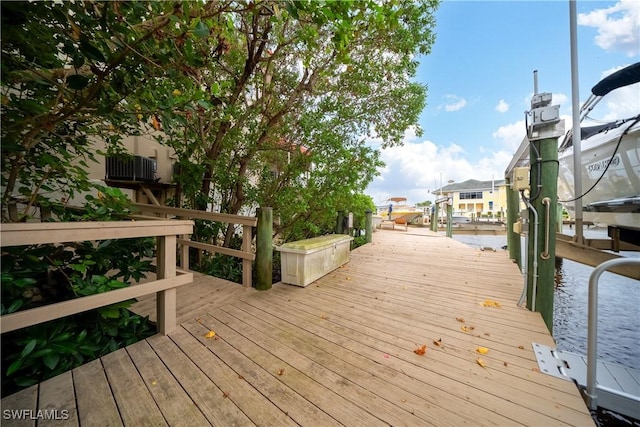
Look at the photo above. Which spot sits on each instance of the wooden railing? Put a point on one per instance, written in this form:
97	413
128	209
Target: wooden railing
168	276
248	223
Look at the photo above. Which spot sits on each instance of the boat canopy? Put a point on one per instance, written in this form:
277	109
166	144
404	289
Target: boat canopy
625	77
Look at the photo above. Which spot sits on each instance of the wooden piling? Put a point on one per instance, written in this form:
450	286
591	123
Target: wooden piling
264	249
513	238
368	225
545	203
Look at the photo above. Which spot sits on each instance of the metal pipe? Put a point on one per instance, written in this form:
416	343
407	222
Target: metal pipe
535	252
575	110
592	334
535	82
547	202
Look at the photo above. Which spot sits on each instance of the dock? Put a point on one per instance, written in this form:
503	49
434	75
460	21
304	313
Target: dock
342	351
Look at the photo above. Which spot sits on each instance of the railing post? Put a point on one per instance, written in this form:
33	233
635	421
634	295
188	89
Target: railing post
166	300
264	249
368	225
247	237
184	254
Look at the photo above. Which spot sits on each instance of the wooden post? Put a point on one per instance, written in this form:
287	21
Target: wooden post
340	223
434	224
368	225
513	238
247	237
546	205
449	219
264	249
184	254
166	300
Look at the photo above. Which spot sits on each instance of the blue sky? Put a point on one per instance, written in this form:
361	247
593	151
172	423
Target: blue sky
480	81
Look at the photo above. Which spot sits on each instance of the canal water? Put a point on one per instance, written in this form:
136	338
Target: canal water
618	306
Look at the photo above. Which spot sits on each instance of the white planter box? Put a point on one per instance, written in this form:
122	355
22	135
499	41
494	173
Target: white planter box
304	261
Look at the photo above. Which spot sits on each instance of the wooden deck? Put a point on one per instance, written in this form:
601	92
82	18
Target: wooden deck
339	352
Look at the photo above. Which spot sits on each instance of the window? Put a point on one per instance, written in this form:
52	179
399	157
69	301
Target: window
471	195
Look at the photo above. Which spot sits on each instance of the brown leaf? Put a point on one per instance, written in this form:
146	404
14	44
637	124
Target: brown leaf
460	319
521	347
438	343
281	371
421	350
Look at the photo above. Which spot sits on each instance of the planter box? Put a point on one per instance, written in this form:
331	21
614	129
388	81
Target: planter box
304	261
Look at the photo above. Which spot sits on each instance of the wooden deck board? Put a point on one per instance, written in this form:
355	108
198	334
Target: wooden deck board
93	395
338	352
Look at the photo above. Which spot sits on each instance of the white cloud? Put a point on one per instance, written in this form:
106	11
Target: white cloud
414	170
456	103
511	135
618	26
502	106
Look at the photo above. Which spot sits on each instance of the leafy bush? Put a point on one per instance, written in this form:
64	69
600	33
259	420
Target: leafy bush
38	275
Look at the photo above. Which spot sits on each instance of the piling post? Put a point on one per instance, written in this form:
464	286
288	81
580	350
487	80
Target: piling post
449	219
513	238
340	223
544	130
434	223
264	249
368	225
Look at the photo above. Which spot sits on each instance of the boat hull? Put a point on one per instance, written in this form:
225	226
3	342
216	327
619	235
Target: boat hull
615	196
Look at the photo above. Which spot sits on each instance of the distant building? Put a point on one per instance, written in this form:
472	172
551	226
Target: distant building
477	199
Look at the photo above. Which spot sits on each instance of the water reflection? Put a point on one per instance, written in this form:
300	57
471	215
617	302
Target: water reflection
618	307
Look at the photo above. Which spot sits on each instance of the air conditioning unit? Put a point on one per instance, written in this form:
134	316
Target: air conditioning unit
135	168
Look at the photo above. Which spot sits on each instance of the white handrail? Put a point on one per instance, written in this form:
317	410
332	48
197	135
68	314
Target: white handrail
592	337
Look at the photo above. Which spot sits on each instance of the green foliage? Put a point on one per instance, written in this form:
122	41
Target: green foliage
223	266
38	275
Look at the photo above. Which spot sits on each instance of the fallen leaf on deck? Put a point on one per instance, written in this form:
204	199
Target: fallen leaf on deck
240	377
225	394
464	329
481	362
535	369
386	356
521	347
482	350
210	334
324	317
154	382
438	343
348	278
421	350
491	303
281	371
505	364
460	319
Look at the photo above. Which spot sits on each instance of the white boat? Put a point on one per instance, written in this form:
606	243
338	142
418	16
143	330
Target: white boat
397	209
610	161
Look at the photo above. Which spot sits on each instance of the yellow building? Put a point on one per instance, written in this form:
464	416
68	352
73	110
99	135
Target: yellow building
477	200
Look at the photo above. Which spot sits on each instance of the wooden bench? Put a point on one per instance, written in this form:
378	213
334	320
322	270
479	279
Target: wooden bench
403	221
393	222
388	223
